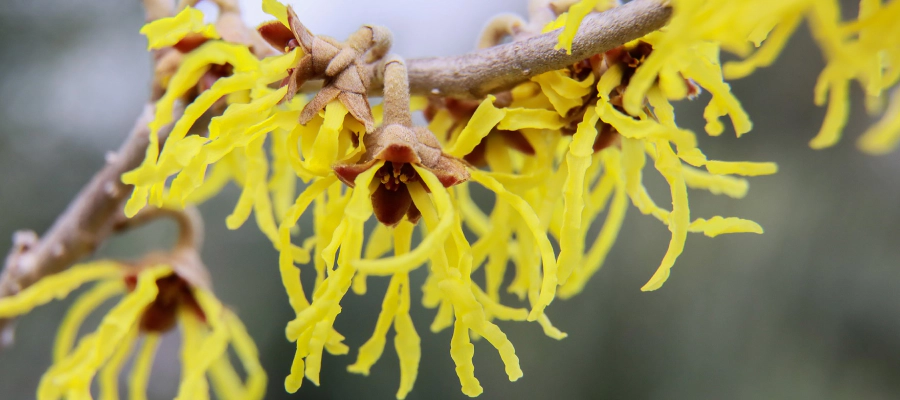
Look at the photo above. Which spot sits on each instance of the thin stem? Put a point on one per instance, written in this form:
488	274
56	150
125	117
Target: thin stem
184	257
499	28
486	71
190	224
396	92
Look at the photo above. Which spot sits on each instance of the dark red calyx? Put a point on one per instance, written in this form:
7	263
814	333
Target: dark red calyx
162	314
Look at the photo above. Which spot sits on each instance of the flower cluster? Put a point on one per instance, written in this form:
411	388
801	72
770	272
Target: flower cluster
866	49
557	151
156	298
161	291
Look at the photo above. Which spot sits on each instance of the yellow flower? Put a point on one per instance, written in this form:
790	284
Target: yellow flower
607	152
406	164
155	299
866	50
570	20
166	32
557	151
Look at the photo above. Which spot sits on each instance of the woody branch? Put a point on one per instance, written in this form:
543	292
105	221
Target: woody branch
90	217
479	73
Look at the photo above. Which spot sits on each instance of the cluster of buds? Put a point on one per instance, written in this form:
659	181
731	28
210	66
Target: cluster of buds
344	67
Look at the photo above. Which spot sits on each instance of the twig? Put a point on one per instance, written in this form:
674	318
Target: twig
190	224
184	256
482	72
396	92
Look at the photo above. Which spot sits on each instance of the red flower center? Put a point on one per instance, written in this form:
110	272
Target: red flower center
161	315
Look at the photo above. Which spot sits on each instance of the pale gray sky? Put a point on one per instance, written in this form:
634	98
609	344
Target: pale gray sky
421	27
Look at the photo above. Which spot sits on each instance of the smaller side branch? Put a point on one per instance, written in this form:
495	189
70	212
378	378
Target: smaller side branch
190	224
482	72
184	257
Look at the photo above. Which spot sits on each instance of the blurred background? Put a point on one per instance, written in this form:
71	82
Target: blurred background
810	309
